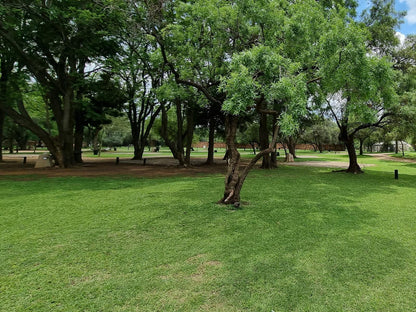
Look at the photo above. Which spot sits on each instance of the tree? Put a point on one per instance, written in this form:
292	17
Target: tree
359	87
381	20
404	58
55	41
322	131
205	35
261	77
139	68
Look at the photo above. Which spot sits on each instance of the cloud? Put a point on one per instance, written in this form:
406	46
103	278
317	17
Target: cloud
401	37
411	11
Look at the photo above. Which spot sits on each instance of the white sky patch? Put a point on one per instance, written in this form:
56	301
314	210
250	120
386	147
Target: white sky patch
401	37
411	11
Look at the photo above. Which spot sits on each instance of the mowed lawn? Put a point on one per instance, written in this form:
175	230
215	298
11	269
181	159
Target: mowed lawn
307	239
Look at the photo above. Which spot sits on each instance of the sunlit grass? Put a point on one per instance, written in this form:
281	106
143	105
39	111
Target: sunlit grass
307	239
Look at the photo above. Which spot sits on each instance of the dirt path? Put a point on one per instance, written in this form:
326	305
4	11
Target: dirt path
92	167
154	167
385	156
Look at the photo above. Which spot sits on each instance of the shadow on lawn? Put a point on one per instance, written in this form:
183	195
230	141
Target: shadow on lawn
306	245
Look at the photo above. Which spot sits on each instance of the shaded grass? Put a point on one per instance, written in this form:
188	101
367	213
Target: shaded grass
308	240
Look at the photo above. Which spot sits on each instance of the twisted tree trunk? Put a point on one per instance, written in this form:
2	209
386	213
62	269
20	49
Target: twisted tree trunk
236	176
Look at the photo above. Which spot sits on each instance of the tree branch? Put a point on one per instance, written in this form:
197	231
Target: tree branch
378	124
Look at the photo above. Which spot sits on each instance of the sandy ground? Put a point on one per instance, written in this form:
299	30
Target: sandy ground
12	165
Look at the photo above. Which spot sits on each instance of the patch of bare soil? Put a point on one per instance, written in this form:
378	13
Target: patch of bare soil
326	164
92	167
385	156
12	165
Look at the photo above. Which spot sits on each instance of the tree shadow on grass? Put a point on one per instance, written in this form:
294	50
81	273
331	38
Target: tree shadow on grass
309	246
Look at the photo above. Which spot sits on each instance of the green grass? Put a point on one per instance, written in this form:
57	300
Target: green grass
307	239
407	155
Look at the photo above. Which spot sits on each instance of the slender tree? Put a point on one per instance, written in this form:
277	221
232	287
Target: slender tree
359	86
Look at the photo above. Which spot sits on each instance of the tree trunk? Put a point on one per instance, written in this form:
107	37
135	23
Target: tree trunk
234	179
291	145
179	134
2	117
66	131
353	165
273	155
78	139
253	147
264	138
175	147
210	158
361	147
95	141
189	134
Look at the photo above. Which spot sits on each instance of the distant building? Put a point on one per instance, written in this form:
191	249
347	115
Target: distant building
391	147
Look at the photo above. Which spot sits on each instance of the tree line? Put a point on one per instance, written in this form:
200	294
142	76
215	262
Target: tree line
66	66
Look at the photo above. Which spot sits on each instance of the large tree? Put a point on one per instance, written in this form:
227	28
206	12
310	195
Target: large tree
140	70
272	47
55	41
358	86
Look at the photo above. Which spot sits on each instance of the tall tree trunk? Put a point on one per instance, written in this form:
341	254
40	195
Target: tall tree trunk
95	141
291	146
78	138
137	154
253	147
396	146
361	147
179	134
353	164
189	134
273	155
264	137
211	139
176	147
2	117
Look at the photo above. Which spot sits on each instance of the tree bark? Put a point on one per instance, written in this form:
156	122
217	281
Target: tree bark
291	145
264	137
361	147
95	141
2	117
234	179
353	164
78	138
176	147
211	139
189	134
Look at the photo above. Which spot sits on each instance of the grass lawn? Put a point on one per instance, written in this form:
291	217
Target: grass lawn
407	155
307	239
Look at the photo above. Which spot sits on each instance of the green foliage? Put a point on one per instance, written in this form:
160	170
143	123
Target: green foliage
364	83
116	133
242	92
263	72
381	20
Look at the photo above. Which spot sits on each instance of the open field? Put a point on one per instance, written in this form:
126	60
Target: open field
307	239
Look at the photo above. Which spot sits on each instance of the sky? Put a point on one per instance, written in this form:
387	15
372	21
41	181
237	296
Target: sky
409	25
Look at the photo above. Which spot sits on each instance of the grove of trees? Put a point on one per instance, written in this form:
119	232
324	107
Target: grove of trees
279	70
